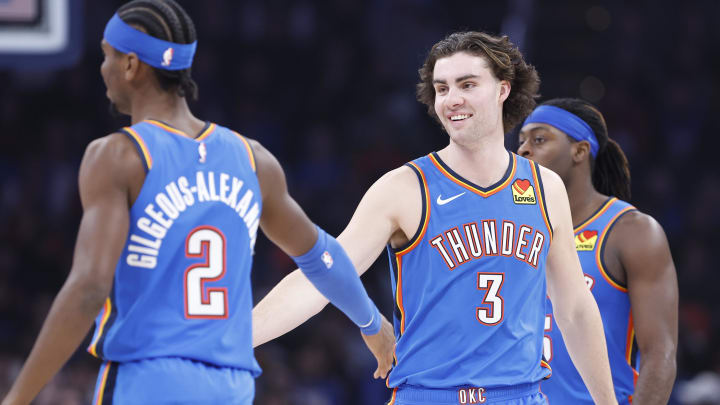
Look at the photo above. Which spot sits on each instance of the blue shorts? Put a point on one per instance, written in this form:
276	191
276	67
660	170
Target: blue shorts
524	394
172	380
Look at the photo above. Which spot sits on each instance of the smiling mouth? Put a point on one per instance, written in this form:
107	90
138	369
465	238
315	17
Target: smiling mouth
460	117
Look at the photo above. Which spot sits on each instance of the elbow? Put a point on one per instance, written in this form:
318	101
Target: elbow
660	360
90	292
584	307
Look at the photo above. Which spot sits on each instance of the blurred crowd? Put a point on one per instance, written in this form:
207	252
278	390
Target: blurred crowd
328	87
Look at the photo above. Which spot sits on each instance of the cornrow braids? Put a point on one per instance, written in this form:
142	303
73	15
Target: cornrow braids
166	20
610	168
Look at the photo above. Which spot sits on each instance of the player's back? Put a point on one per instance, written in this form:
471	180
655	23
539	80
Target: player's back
470	285
182	283
566	386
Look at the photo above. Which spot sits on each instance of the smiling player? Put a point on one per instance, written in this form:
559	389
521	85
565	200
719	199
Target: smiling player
171	209
471	231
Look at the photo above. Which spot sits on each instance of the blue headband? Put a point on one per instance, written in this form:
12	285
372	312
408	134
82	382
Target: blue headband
153	51
567	122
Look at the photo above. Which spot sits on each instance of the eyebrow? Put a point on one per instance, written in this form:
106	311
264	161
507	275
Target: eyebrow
458	80
533	130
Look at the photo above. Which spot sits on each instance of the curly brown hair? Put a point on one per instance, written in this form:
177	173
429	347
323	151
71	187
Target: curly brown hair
506	63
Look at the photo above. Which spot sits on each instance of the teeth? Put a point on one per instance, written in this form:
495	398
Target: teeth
459	117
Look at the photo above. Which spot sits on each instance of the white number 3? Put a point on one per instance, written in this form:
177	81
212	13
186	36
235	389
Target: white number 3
205	242
491	283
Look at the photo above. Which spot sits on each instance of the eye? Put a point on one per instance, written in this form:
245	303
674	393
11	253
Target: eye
441	89
538	139
468	85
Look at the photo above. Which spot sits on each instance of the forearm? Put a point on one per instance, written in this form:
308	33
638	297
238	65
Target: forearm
328	267
657	375
67	324
289	304
584	337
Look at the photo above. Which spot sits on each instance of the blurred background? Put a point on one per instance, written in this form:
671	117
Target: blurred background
328	87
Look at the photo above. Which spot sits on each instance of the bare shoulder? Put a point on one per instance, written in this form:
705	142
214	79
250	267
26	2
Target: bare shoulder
270	173
637	230
396	189
266	163
256	146
552	183
400	179
112	161
556	197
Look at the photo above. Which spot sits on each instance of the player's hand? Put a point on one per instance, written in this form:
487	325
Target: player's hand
382	346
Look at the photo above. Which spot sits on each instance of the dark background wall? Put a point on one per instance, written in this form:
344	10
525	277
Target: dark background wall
328	87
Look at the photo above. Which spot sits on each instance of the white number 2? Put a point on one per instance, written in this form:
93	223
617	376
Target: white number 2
491	283
205	242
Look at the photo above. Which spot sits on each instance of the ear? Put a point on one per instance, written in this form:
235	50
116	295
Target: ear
132	66
504	91
580	151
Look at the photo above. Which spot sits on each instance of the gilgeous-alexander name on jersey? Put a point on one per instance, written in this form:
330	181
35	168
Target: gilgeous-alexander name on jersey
176	198
182	283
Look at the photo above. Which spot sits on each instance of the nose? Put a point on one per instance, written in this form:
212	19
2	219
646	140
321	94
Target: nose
454	98
524	150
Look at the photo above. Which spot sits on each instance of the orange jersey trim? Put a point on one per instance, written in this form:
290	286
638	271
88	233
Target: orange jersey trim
101	328
206	132
249	150
398	294
601	240
421	234
541	200
629	347
474	189
545	364
166	127
392	398
143	146
413	244
101	387
601	211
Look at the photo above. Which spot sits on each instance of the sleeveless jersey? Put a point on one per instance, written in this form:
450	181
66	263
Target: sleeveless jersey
470	285
566	385
182	283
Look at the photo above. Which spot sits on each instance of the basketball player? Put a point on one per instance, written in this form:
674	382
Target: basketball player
171	207
468	230
623	252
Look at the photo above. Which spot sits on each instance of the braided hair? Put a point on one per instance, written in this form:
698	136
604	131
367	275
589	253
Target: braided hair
610	169
166	20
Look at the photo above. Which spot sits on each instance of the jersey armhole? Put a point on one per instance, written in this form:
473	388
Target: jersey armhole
141	146
424	216
541	197
250	152
600	254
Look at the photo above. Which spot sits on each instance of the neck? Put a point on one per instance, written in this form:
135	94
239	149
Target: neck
483	162
167	107
584	199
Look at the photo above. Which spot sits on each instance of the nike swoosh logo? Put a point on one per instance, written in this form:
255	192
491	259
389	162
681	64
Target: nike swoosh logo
440	201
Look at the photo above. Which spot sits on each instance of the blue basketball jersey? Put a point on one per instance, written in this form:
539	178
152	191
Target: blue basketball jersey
566	386
182	283
470	285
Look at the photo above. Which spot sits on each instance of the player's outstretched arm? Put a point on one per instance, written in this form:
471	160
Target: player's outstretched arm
323	262
652	286
106	166
574	307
